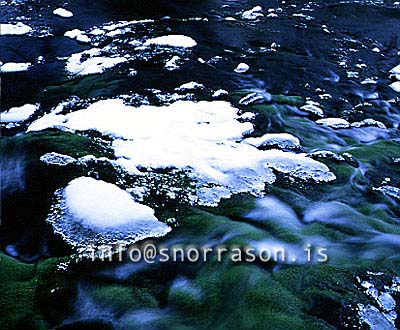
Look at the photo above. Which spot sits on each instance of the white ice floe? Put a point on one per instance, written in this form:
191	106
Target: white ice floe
281	140
395	86
333	122
172	41
253	13
78	35
242	68
62	12
18	114
92	212
173	63
190	86
201	139
14	67
14	29
91	61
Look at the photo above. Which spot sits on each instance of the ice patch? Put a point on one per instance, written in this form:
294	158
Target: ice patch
395	86
14	29
172	64
313	107
93	212
172	41
91	62
14	67
190	86
253	13
18	114
54	158
281	140
62	12
219	93
200	139
333	122
242	68
78	35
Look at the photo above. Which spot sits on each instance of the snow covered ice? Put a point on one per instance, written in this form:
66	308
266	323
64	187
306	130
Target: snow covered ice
202	139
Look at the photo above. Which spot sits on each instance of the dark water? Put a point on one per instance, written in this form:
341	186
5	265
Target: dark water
324	55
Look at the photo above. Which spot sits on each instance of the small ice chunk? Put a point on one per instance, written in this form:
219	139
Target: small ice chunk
62	12
395	86
241	68
78	35
396	71
253	13
313	107
333	122
14	67
54	158
172	64
386	302
173	41
91	62
190	86
14	29
18	114
282	140
368	122
219	93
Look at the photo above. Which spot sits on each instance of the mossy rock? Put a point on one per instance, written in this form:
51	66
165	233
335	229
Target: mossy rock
29	294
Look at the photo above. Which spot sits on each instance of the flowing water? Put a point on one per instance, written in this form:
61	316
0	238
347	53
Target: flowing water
191	127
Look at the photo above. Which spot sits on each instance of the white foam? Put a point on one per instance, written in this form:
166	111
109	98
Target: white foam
18	114
14	29
14	67
62	12
198	138
172	41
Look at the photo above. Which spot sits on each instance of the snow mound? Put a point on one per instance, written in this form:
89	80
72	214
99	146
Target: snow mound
18	114
92	212
173	40
62	12
14	67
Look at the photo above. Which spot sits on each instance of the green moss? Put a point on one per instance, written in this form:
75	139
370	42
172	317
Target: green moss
23	295
376	151
287	99
122	298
